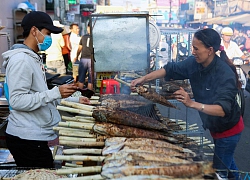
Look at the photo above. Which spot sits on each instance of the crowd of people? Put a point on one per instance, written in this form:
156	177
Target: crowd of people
69	48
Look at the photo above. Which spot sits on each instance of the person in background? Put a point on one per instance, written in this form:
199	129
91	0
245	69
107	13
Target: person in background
74	42
32	105
230	47
54	58
86	50
215	84
240	40
66	48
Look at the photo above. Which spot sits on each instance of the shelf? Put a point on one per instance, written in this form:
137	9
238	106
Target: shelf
18	15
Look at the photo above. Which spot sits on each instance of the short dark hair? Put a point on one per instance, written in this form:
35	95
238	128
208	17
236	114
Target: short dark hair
26	32
73	24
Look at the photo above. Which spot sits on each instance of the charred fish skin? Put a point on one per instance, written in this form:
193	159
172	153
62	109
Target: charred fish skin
125	162
129	119
146	156
109	129
153	96
176	171
135	142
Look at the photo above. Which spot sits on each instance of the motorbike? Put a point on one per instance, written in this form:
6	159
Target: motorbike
238	62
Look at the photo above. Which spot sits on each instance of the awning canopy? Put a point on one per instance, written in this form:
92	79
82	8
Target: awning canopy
242	19
215	20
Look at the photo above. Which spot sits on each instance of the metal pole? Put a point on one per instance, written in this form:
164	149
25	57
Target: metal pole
215	8
62	10
170	11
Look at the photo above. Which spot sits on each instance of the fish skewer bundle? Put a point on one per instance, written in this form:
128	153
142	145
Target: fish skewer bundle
132	152
117	116
127	164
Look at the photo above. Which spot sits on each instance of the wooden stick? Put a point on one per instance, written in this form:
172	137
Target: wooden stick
73	110
88	126
79	158
67	138
90	177
121	81
70	129
83	151
76	134
91	169
83	144
77	105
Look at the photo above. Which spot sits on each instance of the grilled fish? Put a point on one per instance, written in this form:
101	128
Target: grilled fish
128	118
109	129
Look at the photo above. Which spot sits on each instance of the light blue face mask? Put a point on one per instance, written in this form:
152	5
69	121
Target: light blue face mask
46	42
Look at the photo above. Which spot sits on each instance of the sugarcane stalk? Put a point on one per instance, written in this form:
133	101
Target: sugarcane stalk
67	138
91	177
71	129
88	126
77	105
91	169
76	134
83	144
82	151
79	158
73	110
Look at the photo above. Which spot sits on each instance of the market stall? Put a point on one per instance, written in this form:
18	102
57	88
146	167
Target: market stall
124	136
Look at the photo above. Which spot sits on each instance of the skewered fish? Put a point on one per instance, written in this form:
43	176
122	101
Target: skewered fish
112	130
145	142
124	162
147	149
146	156
149	94
154	96
128	118
175	171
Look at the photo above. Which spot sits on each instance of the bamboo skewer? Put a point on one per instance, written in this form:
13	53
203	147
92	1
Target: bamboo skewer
91	177
72	165
83	151
73	110
96	102
79	158
77	105
91	169
67	138
85	117
78	118
95	98
88	126
76	134
84	131
83	144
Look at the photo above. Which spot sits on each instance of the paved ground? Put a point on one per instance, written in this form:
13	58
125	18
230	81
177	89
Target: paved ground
242	155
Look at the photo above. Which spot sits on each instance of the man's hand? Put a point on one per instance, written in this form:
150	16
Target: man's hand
67	89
